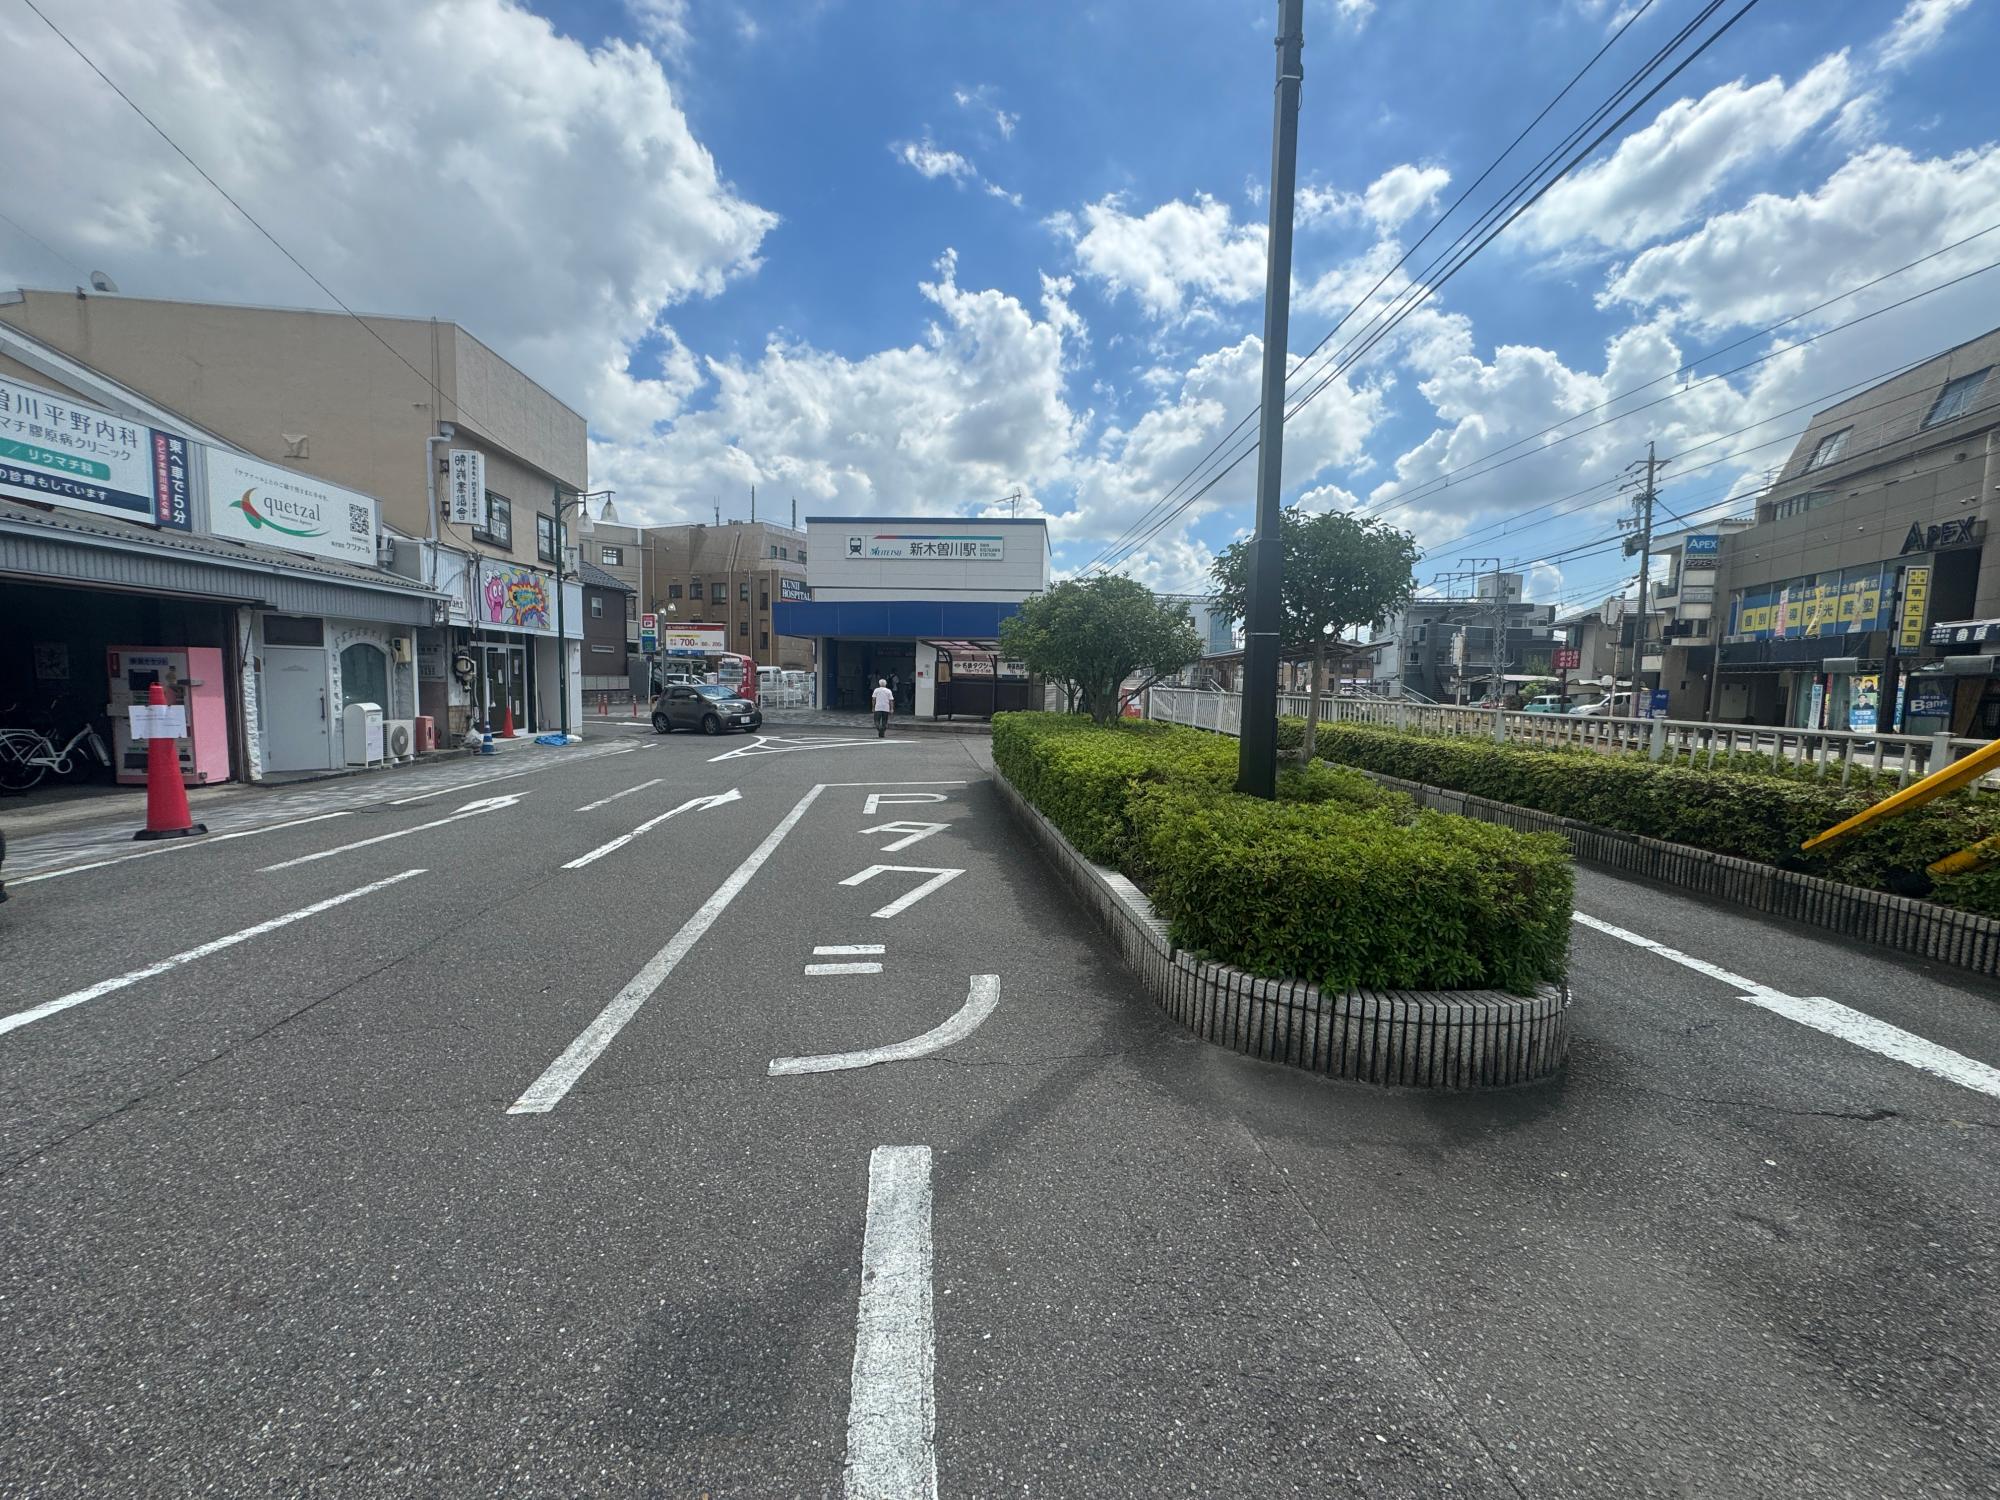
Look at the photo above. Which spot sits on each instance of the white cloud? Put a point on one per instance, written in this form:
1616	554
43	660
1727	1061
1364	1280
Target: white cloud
933	161
1660	176
1163	257
1354	12
663	23
1401	193
1253	189
980	101
1918	29
994	190
468	153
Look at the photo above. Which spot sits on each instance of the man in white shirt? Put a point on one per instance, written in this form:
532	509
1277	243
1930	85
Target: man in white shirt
884	703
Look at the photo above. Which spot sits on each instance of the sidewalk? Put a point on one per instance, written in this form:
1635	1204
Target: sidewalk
846	721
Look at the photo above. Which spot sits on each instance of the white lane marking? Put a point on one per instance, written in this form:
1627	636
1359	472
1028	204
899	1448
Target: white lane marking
893	799
979	1004
693	804
547	1091
917	833
213	838
760	746
605	801
859	968
891	1406
1829	1016
895	783
939	876
106	986
470	810
834	950
466	786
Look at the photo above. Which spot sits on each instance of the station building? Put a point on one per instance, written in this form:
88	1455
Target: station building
917	601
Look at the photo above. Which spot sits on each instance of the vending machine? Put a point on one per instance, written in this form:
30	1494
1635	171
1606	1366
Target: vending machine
192	676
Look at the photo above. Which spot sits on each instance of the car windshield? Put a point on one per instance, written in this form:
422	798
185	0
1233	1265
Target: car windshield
716	690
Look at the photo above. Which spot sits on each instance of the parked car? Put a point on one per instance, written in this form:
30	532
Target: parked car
1617	706
707	706
1547	703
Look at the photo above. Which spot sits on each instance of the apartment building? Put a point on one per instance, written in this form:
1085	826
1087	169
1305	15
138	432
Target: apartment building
732	574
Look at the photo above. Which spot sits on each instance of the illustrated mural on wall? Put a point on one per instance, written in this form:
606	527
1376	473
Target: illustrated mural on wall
519	597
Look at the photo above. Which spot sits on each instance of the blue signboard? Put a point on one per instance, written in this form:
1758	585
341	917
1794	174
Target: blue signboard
1702	546
1838	603
1657	707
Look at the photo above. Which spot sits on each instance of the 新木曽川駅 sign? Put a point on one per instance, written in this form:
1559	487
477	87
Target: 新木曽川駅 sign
927	546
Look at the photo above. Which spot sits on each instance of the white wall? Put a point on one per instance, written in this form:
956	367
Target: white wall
832	573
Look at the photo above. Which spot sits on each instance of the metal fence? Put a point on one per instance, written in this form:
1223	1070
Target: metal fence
1833	753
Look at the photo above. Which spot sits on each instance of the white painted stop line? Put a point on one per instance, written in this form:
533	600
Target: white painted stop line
891	1407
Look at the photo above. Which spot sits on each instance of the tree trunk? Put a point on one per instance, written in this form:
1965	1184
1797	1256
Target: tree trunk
1312	700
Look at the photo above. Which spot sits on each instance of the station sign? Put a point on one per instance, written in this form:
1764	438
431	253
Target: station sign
925	546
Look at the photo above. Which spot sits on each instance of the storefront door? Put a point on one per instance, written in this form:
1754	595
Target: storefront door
503	683
294	709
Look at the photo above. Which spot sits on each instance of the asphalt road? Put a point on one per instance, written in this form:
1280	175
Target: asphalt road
467	1172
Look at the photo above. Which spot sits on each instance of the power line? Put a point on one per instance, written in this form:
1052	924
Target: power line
54	254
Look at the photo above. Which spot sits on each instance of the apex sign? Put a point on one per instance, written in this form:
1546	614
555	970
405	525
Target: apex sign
1960	533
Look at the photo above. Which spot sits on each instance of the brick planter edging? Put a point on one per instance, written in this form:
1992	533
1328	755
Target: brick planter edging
1962	939
1411	1038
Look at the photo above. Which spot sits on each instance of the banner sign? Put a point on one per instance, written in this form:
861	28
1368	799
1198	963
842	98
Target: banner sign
1697	593
794	589
60	452
251	501
926	545
515	598
649	632
465	490
1965	632
1916	608
1827	604
1702	546
694	640
1864	698
1927	700
1568	658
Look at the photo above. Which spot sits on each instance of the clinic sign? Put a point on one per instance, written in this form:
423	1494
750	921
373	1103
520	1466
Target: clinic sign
56	451
250	501
924	546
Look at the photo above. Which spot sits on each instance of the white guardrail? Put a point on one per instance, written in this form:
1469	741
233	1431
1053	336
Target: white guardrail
1834	752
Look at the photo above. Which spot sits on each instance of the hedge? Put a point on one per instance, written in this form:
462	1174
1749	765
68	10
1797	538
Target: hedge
1340	881
1747	814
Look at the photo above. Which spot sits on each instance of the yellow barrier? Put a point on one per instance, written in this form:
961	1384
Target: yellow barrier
1960	773
1975	857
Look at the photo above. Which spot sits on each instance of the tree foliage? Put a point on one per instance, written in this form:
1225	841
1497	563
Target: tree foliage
1090	635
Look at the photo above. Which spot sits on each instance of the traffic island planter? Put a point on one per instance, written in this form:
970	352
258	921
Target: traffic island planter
1436	1039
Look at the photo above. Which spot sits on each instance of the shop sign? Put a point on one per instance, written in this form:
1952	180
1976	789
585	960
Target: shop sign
1656	705
1697	593
649	632
1927	701
972	666
1568	658
515	598
1826	604
60	452
1864	698
926	546
794	589
694	640
249	501
1702	546
1965	632
1916	606
1960	533
465	488
1013	671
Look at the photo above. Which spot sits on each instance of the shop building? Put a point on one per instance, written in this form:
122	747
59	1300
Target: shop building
1860	596
1442	647
606	602
464	456
917	601
734	574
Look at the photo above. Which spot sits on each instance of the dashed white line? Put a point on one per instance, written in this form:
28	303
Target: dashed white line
470	810
1829	1016
836	950
547	1091
854	968
980	1002
606	801
891	1408
213	838
106	986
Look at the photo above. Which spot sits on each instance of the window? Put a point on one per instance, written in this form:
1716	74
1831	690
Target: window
786	553
743	591
763	640
631	607
364	676
763	598
694	589
290	630
774	549
545	538
742	627
611	557
1830	448
1957	397
499	522
673	591
1794	505
802	554
600	648
596	606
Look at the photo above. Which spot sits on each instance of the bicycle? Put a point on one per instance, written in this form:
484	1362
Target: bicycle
27	755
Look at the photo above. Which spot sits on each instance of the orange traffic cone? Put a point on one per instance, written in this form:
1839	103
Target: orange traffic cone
167	815
507	720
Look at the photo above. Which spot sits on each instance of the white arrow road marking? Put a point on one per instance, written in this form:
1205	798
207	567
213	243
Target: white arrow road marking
772	745
693	804
916	831
470	810
1829	1016
892	799
546	1092
605	801
891	1405
106	986
979	1004
904	903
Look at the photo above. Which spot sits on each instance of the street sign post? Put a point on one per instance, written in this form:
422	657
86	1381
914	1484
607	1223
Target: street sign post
649	633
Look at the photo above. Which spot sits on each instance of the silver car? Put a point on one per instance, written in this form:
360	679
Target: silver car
708	706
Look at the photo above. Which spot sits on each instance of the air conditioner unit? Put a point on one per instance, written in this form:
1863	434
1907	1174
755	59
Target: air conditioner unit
399	739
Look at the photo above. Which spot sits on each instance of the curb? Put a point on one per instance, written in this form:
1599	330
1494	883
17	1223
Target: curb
1943	934
1407	1038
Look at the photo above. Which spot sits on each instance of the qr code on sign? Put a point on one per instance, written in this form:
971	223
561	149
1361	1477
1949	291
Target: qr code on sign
357	520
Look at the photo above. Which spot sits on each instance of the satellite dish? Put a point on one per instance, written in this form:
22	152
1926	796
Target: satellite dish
99	282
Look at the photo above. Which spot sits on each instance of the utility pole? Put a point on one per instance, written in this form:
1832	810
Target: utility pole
795	512
1498	677
1257	749
1643	544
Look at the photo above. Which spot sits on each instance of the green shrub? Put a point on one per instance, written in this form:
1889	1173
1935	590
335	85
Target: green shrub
1750	814
1341	881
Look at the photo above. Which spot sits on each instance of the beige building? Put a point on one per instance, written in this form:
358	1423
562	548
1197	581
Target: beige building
375	405
733	575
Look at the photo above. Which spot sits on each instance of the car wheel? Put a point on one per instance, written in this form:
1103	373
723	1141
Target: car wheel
662	724
710	724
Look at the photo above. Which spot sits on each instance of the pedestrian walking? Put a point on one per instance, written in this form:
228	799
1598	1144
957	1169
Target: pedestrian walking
885	704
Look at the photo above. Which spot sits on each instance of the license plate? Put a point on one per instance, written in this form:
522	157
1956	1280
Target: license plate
741	719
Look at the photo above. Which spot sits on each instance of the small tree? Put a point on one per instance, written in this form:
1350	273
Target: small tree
1091	635
1340	570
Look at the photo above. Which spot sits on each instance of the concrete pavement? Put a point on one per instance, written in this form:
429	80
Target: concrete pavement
273	1222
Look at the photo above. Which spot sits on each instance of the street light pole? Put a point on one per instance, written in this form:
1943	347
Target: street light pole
1257	748
579	499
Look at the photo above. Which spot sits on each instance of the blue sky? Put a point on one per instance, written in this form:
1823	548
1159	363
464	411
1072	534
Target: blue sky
881	255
